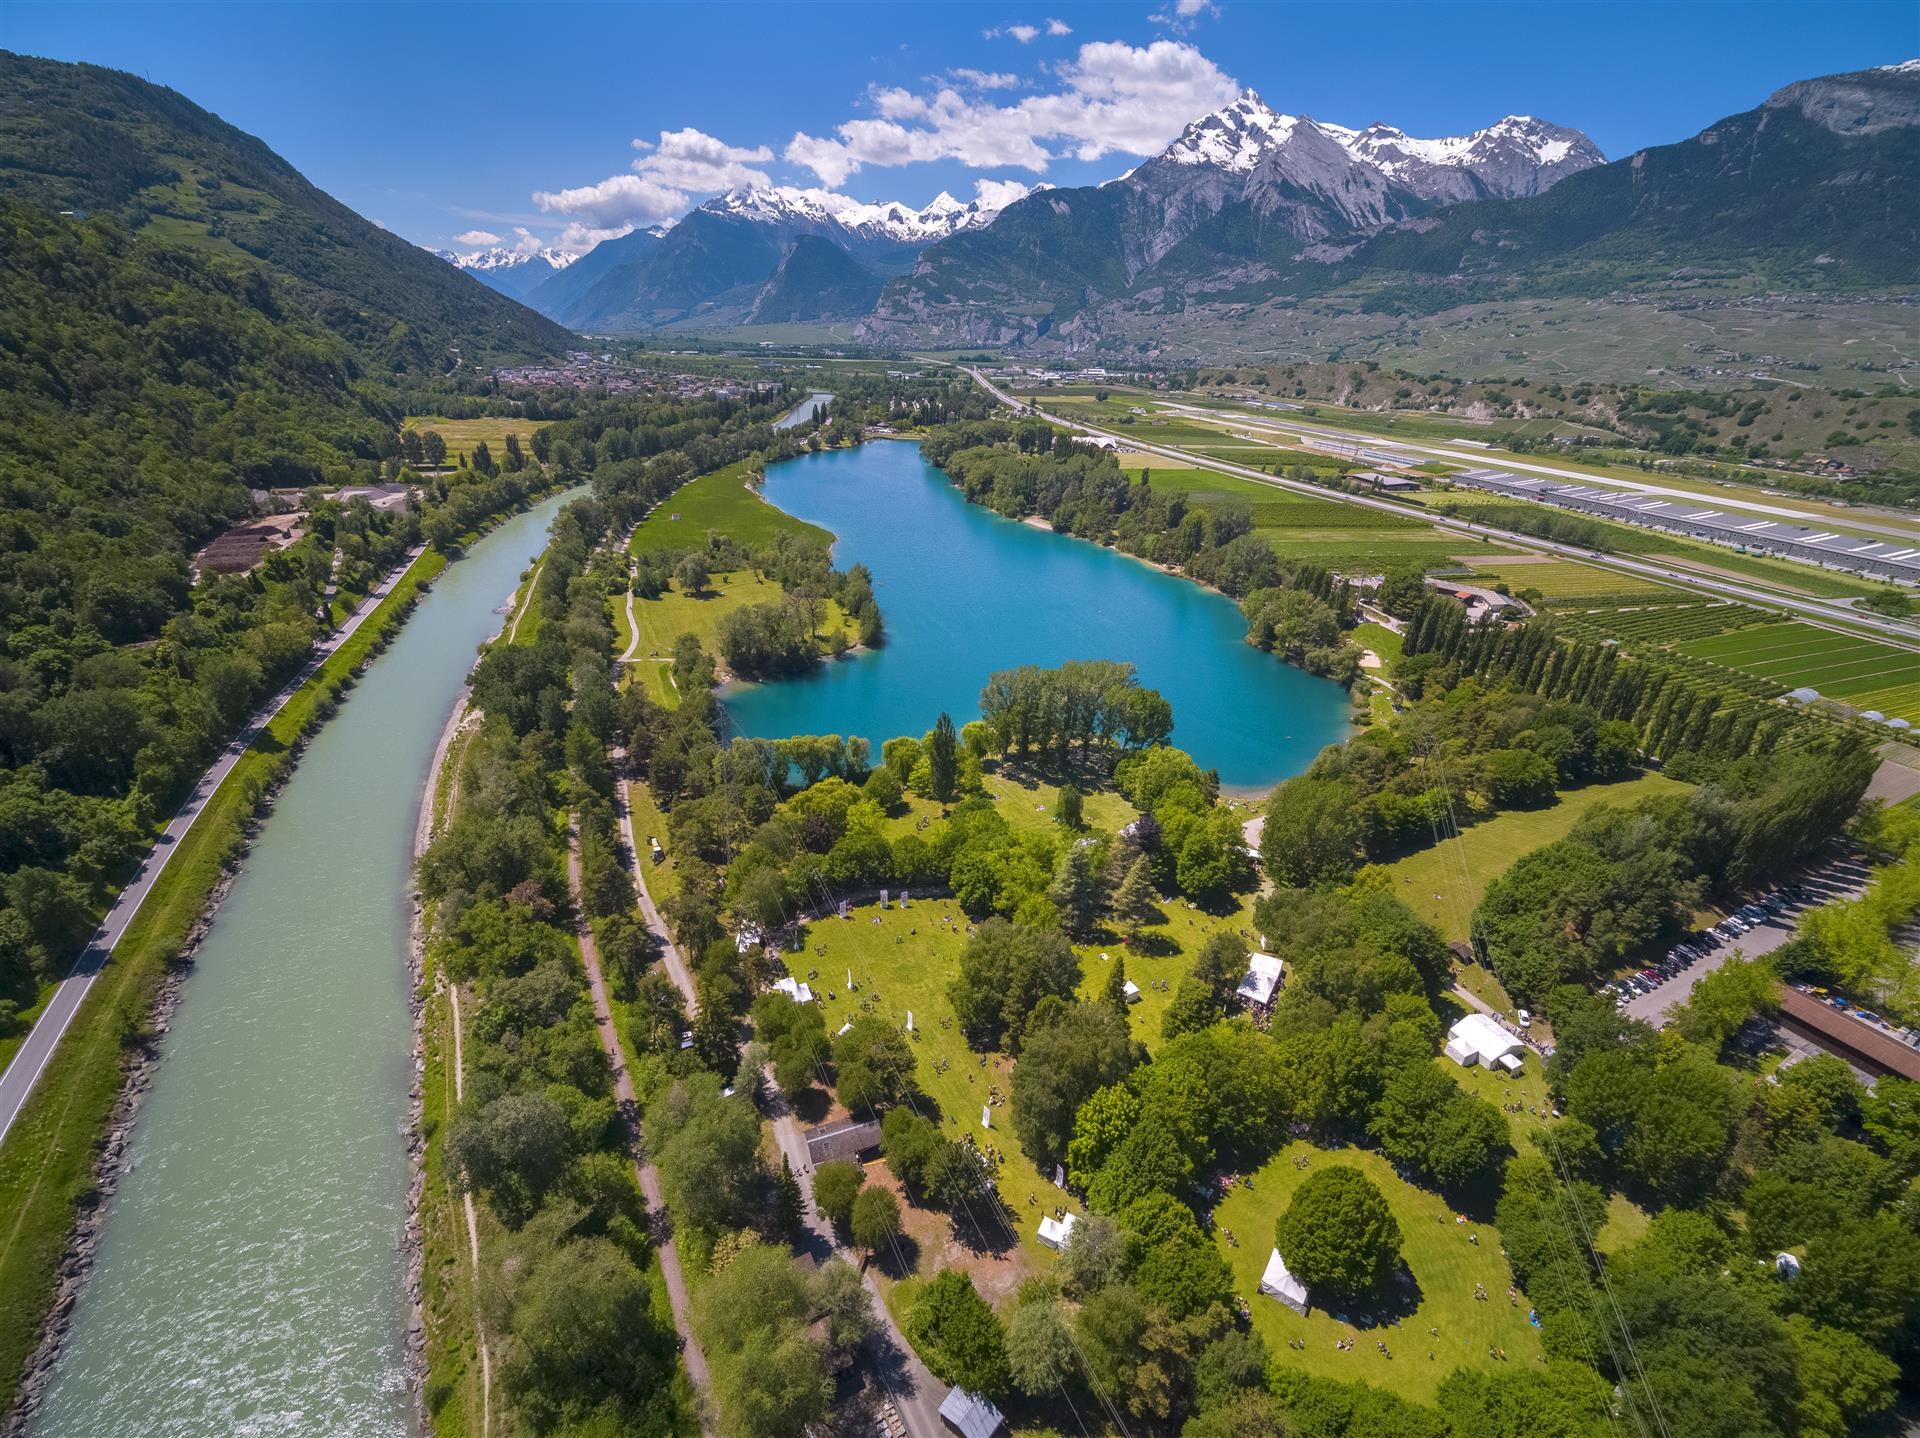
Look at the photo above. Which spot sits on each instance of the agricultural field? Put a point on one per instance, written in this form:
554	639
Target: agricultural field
1656	624
719	501
1444	1262
1565	579
1860	672
1443	884
462	435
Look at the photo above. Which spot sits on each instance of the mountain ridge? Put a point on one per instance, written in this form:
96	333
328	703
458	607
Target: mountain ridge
712	266
1250	208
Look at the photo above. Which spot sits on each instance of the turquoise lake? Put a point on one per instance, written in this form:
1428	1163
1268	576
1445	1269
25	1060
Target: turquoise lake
965	592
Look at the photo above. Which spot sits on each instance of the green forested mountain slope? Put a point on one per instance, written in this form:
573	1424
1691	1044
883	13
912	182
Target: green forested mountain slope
206	323
815	280
1819	188
77	137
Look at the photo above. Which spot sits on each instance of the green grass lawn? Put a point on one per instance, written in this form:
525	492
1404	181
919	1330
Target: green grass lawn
662	881
1444	1264
1561	579
1442	884
1380	639
662	621
903	960
719	501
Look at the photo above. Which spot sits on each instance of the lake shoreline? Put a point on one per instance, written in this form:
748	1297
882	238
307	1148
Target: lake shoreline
962	595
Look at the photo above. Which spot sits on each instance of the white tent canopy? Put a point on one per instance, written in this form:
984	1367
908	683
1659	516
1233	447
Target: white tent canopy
1057	1232
794	989
1278	1283
1477	1039
1262	978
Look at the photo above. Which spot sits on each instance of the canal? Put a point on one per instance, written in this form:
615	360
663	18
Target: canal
965	592
803	412
251	1276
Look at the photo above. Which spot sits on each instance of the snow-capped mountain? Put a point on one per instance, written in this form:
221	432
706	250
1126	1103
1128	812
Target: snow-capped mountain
499	257
890	221
511	271
1246	191
1518	155
753	253
1251	211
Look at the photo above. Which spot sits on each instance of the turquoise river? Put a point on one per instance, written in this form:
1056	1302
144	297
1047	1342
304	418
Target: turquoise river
965	592
251	1277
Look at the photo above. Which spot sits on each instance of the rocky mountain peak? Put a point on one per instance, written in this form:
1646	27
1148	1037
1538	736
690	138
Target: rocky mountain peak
1864	103
891	220
1235	138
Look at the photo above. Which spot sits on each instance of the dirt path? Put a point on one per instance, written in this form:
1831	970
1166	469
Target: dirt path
423	836
677	969
633	631
473	1230
526	600
629	1107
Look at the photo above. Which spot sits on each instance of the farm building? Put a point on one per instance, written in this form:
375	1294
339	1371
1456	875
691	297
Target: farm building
1477	1039
1389	483
1698	518
845	1139
970	1415
1278	1283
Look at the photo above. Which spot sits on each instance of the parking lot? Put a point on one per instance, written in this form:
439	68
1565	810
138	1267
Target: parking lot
1841	877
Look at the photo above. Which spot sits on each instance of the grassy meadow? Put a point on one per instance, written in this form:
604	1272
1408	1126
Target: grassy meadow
1443	884
720	501
1443	1263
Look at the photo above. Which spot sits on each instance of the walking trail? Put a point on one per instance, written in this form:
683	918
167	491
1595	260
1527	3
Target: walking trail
629	1107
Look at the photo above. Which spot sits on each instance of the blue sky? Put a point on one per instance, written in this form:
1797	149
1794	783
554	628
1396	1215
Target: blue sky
521	122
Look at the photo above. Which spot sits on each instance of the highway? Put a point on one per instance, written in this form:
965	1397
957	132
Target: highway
17	1083
1806	606
1897	527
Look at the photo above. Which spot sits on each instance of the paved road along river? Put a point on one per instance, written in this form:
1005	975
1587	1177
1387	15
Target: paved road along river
251	1277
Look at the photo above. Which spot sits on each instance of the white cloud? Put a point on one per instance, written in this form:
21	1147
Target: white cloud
1022	33
1059	27
618	202
577	239
1115	98
664	182
690	160
478	237
1183	15
998	194
986	79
